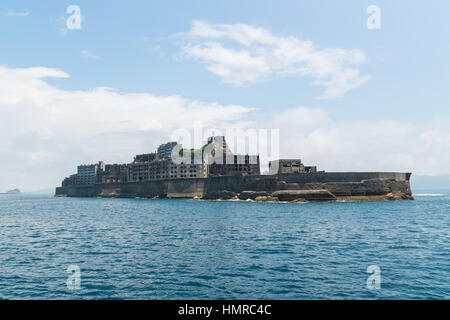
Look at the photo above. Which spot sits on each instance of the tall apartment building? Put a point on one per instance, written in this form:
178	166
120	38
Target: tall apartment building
220	160
246	165
114	173
163	169
147	157
88	174
165	150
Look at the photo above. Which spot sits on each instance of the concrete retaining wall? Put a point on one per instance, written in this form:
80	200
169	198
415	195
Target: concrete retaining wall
338	183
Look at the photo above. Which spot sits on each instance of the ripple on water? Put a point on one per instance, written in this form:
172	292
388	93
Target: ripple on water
160	249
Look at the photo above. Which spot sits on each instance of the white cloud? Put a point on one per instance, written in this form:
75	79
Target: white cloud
89	55
17	14
241	54
45	131
362	146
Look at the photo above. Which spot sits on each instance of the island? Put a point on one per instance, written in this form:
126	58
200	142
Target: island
14	191
213	172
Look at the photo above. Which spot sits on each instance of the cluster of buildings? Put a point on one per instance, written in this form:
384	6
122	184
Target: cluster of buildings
171	161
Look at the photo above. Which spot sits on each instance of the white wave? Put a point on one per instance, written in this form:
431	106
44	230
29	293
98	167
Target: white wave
428	194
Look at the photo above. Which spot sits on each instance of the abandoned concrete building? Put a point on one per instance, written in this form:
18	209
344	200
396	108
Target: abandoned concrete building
213	159
289	166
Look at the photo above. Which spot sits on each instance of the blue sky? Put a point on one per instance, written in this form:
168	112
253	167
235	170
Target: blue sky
146	47
408	56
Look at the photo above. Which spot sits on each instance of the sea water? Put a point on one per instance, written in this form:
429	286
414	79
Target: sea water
74	248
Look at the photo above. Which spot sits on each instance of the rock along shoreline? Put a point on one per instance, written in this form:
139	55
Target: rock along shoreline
307	187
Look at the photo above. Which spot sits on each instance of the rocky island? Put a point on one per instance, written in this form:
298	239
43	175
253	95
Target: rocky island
214	173
14	191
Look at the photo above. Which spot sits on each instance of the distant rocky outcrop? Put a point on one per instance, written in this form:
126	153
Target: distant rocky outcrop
295	196
220	195
266	199
305	195
399	196
252	195
282	195
14	191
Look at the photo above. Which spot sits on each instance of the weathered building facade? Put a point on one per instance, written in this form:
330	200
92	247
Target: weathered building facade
114	173
165	150
163	169
88	174
290	166
236	165
213	159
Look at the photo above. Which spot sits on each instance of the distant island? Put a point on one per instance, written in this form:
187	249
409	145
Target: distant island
14	191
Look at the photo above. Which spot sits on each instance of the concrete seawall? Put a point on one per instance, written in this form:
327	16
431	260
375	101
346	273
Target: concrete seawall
342	185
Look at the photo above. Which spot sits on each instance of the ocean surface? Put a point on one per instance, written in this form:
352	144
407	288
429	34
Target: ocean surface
185	249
